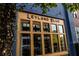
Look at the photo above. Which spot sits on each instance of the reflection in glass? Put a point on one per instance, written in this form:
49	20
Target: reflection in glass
46	27
62	41
47	43
56	43
37	44
60	28
54	28
26	51
25	26
36	27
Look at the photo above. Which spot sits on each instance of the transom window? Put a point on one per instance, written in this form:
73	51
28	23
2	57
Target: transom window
36	27
46	27
60	29
25	26
54	28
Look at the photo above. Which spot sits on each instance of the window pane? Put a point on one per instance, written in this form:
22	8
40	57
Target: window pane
47	43
36	27
37	44
46	27
56	43
26	51
25	26
54	28
60	28
62	41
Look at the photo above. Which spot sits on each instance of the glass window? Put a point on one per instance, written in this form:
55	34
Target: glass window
37	44
56	43
75	14
47	43
25	26
36	27
26	51
77	34
62	41
54	28
60	28
46	27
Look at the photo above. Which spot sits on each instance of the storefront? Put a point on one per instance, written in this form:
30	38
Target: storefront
40	35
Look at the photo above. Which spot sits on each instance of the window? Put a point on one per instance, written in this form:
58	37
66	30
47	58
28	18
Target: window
75	14
26	51
36	27
40	35
78	34
54	28
25	26
60	29
62	41
47	43
56	43
37	44
46	27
